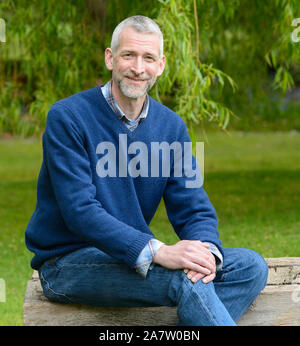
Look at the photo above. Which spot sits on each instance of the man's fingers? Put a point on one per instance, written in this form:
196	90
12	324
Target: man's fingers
199	264
196	276
193	276
209	278
199	254
189	254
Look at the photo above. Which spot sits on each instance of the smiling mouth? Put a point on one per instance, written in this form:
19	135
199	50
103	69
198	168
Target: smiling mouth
135	80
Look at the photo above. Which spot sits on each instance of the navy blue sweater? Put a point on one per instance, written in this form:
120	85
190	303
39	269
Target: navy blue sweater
78	206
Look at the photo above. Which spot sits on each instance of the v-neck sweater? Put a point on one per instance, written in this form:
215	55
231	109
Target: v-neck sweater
78	206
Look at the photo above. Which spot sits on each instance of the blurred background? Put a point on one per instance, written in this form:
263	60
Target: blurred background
233	75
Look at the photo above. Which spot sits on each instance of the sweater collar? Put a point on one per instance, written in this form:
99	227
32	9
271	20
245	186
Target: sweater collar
107	93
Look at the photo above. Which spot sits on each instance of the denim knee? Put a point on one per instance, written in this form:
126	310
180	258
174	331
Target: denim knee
48	273
257	268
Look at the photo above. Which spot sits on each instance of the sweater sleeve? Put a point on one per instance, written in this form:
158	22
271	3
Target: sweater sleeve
69	169
189	209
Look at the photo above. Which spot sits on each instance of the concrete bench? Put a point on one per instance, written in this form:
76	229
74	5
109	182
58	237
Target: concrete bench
277	305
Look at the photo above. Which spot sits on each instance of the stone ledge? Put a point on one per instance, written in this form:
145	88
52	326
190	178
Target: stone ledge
277	305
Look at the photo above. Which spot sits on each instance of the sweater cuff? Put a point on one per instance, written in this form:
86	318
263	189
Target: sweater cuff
136	247
144	261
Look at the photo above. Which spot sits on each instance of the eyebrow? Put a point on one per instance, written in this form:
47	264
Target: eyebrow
133	52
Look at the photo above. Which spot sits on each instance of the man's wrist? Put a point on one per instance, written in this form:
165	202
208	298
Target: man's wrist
158	259
217	254
145	260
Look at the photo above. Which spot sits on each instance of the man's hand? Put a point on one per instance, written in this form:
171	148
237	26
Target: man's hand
191	255
195	276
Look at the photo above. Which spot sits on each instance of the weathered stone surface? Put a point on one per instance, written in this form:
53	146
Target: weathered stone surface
278	304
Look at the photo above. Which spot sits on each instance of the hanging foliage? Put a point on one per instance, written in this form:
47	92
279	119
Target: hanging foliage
224	57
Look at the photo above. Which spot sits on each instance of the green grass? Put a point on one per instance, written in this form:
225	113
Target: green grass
19	166
253	180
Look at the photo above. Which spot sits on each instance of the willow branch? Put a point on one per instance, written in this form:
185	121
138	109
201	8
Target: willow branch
197	32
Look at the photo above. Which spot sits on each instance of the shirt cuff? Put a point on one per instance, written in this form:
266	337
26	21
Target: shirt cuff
218	256
144	261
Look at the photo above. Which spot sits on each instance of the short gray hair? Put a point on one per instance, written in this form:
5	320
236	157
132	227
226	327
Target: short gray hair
139	23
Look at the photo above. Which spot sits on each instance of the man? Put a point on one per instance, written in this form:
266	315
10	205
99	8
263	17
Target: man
95	201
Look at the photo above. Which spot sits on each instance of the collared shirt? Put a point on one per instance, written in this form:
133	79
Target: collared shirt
131	124
145	259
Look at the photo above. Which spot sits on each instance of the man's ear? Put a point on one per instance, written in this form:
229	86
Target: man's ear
109	58
162	65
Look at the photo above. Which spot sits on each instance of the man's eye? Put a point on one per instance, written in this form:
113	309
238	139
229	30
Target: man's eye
149	58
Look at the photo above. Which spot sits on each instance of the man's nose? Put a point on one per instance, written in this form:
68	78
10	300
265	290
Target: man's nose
138	66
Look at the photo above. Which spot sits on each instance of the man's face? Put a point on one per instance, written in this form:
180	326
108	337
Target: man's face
136	64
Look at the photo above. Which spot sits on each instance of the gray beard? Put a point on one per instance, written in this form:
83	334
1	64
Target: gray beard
133	92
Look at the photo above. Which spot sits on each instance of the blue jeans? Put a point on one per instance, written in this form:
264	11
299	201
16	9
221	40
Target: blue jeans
89	276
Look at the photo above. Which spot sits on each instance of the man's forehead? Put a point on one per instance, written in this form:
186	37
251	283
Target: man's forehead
131	38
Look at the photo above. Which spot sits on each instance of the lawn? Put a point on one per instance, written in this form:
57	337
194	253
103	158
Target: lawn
253	180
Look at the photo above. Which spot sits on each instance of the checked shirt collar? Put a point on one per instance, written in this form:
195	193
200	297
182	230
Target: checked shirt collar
131	124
